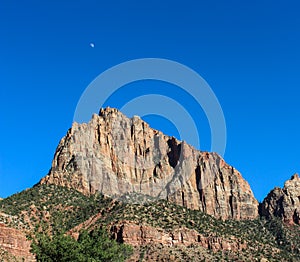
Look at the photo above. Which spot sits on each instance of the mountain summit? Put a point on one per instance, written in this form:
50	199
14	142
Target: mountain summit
116	155
284	202
119	190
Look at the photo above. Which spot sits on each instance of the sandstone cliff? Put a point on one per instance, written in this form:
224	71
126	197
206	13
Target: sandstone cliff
284	203
116	155
137	235
15	243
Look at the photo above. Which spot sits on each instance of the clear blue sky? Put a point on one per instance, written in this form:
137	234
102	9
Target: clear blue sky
248	51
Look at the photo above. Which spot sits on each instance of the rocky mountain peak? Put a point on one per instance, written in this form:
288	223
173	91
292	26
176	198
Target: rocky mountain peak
116	156
295	177
285	202
109	112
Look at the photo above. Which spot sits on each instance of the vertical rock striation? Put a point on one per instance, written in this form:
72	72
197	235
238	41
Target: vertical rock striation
115	155
284	203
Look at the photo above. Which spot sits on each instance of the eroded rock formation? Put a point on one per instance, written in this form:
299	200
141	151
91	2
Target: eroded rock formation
115	155
284	203
136	235
15	243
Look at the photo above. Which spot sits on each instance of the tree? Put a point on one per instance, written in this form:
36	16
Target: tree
91	246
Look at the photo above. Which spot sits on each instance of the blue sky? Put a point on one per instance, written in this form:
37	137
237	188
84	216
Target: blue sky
248	52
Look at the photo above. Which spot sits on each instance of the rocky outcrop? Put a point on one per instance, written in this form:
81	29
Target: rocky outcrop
284	203
15	243
138	235
115	155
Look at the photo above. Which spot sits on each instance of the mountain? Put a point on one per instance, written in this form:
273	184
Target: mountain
284	203
161	196
115	155
157	230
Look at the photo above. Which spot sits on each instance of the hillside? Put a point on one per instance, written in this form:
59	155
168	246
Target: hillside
119	190
156	229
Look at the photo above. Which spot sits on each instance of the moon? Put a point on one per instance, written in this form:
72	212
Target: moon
92	45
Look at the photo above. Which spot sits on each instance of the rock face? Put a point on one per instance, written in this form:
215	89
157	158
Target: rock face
115	155
137	235
284	203
15	243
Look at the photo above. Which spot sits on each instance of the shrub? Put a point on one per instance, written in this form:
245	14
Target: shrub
90	247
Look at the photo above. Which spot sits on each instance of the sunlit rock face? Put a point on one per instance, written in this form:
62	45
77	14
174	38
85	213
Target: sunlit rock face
116	155
285	202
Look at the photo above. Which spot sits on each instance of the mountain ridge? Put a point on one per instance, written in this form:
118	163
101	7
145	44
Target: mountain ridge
114	155
157	230
283	202
163	197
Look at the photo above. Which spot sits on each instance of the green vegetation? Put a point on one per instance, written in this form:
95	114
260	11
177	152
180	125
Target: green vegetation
55	210
90	247
58	207
269	239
